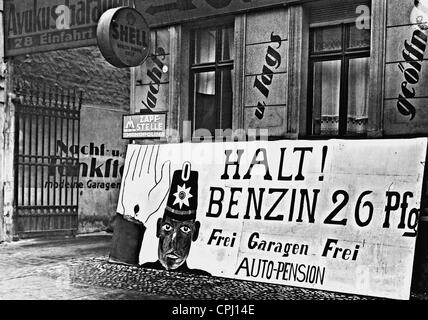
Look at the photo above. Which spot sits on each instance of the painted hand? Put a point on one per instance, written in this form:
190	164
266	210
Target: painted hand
143	191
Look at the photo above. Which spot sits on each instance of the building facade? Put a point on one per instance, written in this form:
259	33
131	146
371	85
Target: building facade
61	148
105	98
37	174
300	69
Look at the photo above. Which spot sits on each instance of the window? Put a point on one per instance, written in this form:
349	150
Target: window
211	77
338	80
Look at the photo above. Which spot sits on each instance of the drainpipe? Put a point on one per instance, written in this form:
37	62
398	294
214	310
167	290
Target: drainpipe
6	139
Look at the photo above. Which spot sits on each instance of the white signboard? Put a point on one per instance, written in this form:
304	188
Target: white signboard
332	215
139	126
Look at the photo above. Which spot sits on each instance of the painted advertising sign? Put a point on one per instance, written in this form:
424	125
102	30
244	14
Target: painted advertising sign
333	215
406	71
101	164
265	71
150	125
164	12
45	25
123	37
151	79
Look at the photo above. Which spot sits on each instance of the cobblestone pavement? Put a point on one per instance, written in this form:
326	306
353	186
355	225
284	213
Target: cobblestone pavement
99	272
77	269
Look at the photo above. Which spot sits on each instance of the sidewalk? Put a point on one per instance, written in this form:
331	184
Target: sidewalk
45	270
77	269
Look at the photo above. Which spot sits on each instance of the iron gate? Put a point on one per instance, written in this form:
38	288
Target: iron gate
46	174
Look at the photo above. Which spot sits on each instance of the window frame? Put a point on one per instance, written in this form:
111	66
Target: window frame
343	55
218	66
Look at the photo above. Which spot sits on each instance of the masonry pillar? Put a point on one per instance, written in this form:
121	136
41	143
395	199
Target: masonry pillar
2	106
6	140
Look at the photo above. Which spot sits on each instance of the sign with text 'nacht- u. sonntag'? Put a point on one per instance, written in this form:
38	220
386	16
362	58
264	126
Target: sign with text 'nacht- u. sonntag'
46	25
332	215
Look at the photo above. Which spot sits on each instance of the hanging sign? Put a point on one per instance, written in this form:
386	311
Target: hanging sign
140	126
123	37
333	215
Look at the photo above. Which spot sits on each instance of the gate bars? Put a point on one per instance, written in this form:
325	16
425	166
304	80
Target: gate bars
46	177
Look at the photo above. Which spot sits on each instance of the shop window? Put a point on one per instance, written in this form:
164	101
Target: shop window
211	77
338	80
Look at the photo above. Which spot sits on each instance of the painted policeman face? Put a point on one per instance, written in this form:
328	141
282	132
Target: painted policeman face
175	239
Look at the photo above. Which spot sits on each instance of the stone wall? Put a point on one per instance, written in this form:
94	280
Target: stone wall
86	68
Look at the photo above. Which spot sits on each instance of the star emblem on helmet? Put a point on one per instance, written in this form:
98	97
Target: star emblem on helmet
182	195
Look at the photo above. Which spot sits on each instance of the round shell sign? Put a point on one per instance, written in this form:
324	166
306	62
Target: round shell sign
123	37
